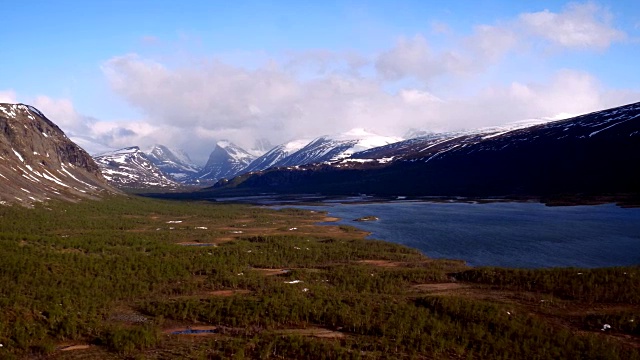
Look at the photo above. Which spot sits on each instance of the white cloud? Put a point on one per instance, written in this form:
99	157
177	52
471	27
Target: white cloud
584	25
489	43
8	96
413	57
565	92
220	100
63	114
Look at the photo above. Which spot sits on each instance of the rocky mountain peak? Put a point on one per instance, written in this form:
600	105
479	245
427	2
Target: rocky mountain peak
225	161
173	162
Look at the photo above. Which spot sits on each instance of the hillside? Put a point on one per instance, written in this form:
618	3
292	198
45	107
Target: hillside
39	163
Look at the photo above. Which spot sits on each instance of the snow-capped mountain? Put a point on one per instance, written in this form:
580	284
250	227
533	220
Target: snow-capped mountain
275	155
594	154
335	148
175	163
226	161
130	168
38	162
434	142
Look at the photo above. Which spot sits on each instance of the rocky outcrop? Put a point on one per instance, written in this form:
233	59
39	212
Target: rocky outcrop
38	162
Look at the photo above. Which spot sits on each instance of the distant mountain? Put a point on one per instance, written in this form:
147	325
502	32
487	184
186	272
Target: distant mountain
597	153
419	133
38	162
130	168
225	161
429	143
275	155
174	163
334	148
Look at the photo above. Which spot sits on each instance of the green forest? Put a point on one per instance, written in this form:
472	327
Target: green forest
121	278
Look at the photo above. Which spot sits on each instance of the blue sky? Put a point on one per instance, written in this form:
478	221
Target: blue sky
189	73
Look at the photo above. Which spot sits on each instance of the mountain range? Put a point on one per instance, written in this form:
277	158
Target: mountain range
595	153
152	168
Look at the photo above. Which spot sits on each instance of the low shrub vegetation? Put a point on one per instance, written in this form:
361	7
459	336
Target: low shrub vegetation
117	273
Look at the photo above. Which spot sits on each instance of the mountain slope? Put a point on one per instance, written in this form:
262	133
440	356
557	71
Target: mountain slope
595	153
174	163
275	156
432	143
334	148
225	161
130	168
38	162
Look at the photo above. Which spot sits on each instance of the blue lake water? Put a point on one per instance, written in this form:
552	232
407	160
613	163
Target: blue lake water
525	235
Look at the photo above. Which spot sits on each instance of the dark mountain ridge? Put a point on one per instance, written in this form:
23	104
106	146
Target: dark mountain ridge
597	153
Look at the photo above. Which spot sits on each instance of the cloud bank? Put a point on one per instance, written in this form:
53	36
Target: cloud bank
413	83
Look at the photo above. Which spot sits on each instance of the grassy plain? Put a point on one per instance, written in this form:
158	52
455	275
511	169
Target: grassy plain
116	279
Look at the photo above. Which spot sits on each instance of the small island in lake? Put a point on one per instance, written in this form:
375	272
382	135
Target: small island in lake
367	218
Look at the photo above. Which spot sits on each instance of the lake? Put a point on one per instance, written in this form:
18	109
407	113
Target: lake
512	234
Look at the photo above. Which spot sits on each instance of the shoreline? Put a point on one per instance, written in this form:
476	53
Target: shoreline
623	201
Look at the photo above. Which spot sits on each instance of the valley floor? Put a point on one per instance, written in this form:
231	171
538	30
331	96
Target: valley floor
128	277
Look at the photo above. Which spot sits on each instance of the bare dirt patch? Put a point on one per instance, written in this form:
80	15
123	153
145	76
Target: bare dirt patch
212	293
221	240
75	347
195	243
244	220
441	287
475	292
225	293
330	219
315	332
382	263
